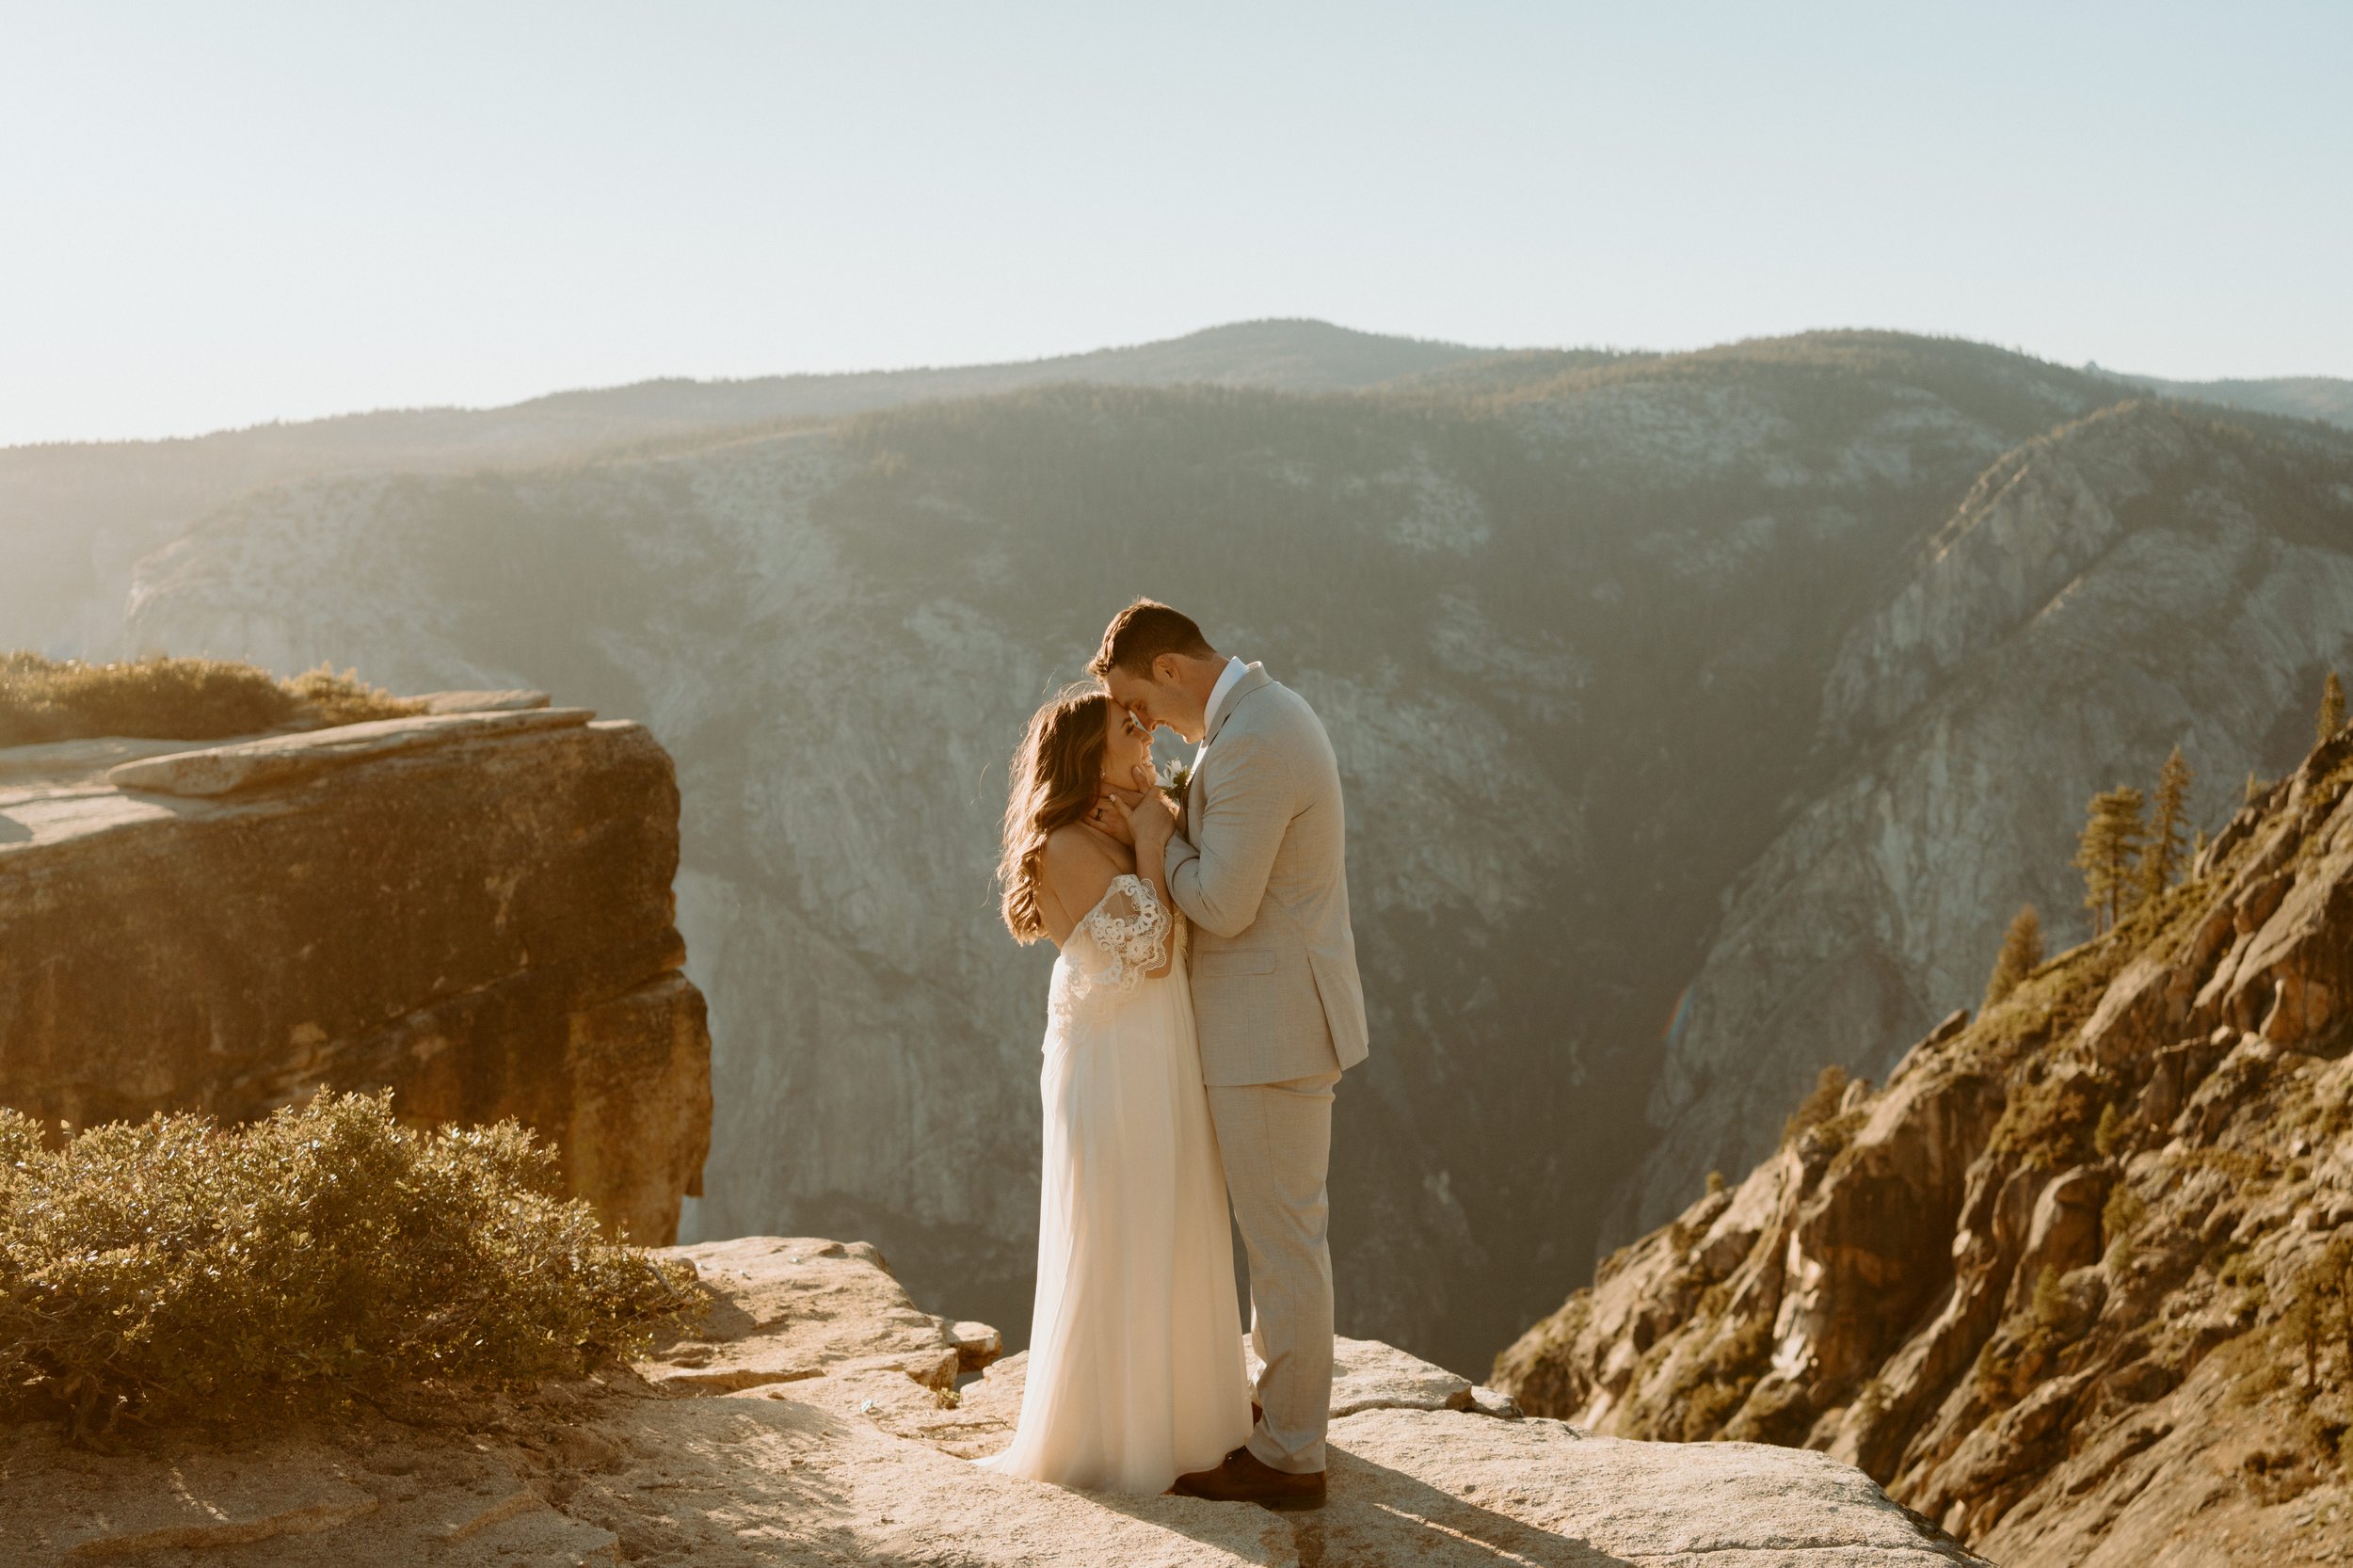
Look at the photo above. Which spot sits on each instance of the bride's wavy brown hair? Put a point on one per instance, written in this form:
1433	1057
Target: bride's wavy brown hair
1057	772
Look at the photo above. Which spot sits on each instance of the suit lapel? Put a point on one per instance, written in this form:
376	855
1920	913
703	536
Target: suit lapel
1254	680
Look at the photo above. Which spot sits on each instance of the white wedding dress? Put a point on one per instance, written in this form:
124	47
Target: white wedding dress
1136	1372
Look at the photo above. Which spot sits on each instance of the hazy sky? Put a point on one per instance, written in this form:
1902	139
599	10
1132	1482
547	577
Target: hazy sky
216	214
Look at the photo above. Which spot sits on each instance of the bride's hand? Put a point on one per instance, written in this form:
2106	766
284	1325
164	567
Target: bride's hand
1151	817
1110	817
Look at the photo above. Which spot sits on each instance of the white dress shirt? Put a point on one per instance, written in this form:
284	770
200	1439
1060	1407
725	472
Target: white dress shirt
1228	678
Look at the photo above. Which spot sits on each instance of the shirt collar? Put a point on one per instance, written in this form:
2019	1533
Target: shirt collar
1228	678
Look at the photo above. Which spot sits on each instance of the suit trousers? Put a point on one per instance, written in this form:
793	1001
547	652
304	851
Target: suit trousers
1275	1140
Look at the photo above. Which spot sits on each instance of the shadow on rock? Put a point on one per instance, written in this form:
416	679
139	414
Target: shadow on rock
1377	1517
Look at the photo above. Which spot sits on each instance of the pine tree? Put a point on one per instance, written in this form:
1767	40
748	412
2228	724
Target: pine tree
2163	856
2111	843
2022	950
2332	706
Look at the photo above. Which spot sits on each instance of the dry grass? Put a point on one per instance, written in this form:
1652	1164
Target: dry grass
177	1269
45	699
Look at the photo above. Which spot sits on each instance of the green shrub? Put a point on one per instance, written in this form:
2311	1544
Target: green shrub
2049	1306
1819	1105
174	699
1837	1133
1714	1388
180	1269
2049	1124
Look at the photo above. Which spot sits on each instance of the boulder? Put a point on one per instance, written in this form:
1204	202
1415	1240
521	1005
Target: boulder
472	910
2064	1233
977	1344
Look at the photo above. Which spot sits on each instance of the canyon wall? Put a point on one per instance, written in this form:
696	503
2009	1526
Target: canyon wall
1702	718
2140	580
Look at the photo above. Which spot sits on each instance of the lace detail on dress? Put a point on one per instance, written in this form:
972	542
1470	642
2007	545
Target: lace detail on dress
1132	944
1125	935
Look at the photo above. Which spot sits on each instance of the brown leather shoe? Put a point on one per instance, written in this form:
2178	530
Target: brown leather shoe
1244	1477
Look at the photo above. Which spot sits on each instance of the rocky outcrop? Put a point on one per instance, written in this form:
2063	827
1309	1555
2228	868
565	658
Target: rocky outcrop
472	908
818	1416
2077	1282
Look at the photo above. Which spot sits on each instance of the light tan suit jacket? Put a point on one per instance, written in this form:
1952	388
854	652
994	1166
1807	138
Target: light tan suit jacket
1261	871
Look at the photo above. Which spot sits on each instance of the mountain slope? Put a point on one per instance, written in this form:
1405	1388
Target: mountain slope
2321	397
77	515
1575	628
1654	701
2078	1281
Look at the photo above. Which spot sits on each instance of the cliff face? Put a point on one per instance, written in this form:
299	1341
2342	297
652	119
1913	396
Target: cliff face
1597	644
2135	581
2078	1281
471	909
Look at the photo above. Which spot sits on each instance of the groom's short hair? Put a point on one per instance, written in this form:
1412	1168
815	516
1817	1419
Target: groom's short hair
1141	633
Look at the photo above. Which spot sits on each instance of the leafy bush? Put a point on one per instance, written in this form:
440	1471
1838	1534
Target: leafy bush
181	1269
174	699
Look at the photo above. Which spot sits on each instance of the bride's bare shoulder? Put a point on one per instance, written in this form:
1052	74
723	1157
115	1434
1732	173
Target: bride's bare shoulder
1079	866
1074	842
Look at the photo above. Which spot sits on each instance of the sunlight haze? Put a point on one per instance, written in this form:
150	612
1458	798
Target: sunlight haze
233	214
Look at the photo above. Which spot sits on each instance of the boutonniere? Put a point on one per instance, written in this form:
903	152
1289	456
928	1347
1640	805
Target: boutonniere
1174	782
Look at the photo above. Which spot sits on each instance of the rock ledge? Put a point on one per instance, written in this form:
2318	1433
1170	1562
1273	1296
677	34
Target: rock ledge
815	1418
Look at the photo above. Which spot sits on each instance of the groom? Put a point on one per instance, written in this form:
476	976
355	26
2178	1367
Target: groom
1258	863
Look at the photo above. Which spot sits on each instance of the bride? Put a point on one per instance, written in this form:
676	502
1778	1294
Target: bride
1136	1371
